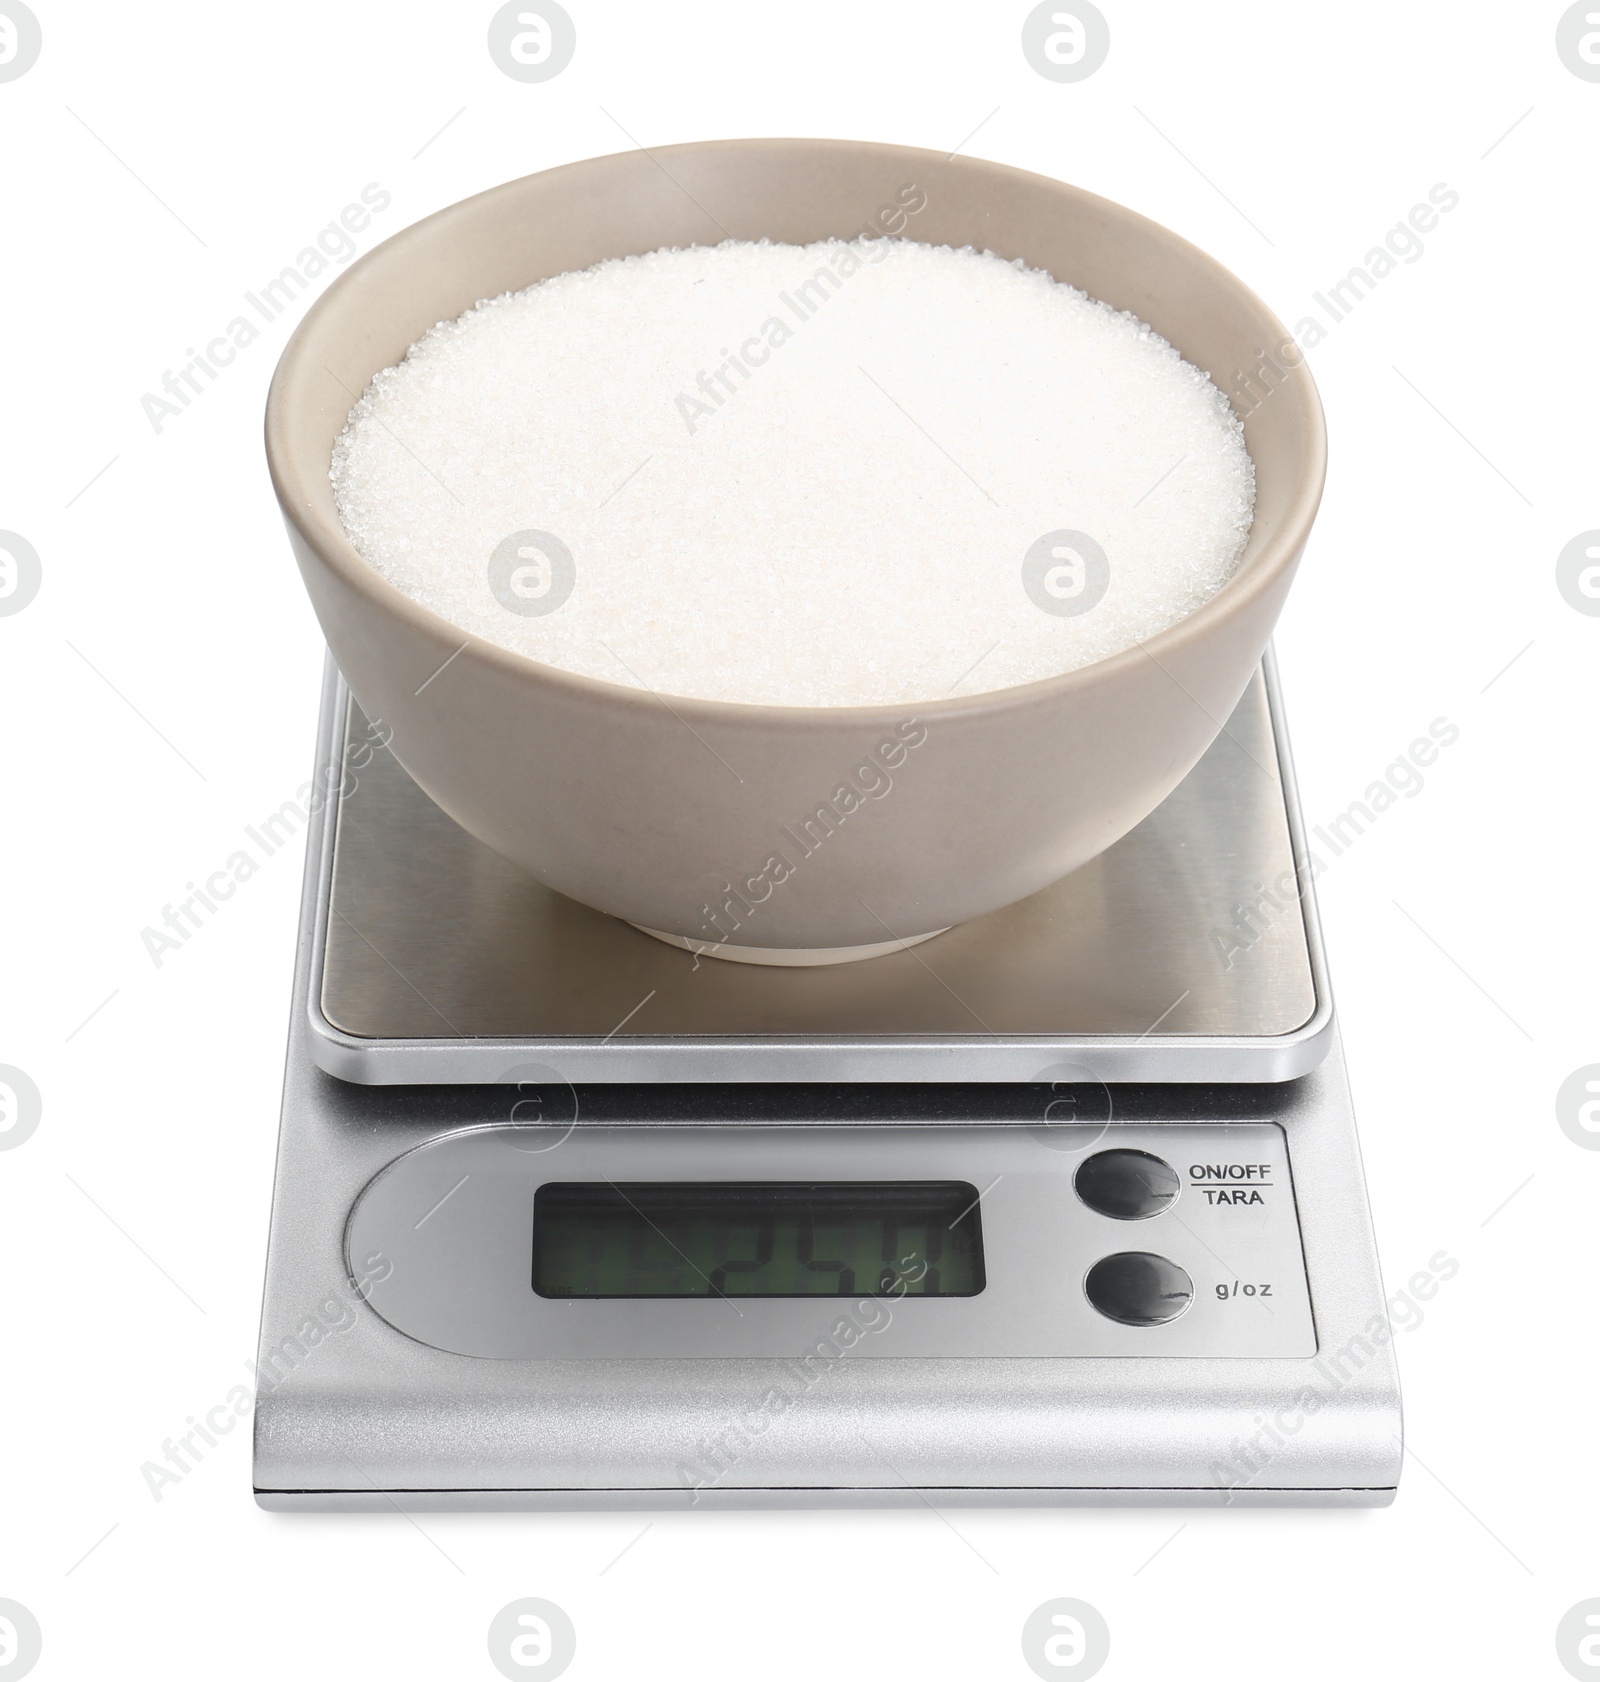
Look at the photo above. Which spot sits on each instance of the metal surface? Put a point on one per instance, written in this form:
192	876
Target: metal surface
438	961
453	1222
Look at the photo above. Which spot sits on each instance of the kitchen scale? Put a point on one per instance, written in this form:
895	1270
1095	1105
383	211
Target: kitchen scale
1063	1207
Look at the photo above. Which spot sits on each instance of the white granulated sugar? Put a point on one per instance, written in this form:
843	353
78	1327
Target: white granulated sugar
799	474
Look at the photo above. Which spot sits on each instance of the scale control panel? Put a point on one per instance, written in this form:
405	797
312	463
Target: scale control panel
527	1243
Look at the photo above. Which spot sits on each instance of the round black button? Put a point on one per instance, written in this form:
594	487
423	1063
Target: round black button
1138	1289
1127	1185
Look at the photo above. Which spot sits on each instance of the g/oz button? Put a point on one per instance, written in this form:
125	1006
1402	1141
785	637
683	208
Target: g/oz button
1127	1185
1138	1289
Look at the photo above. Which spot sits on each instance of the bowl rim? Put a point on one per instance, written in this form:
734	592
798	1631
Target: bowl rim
328	541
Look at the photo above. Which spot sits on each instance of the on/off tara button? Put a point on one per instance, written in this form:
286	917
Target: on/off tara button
1127	1185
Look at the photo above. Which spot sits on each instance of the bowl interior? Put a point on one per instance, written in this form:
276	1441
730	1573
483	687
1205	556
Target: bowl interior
795	191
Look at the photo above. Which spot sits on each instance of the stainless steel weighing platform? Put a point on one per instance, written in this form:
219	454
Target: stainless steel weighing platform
1064	1207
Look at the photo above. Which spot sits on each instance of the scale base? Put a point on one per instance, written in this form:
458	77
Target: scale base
353	1414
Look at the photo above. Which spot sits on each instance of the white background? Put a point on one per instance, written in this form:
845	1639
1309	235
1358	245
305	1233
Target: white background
222	139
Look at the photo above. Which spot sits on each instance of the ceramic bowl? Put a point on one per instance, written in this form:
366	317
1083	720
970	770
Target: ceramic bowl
728	826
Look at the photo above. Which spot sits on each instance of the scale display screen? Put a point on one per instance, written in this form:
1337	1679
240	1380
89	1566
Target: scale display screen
757	1239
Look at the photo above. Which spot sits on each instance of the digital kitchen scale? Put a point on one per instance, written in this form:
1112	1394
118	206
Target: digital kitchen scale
1063	1207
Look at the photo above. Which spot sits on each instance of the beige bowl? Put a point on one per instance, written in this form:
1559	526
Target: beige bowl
731	825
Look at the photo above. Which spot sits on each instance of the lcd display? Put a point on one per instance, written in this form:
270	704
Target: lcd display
757	1239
